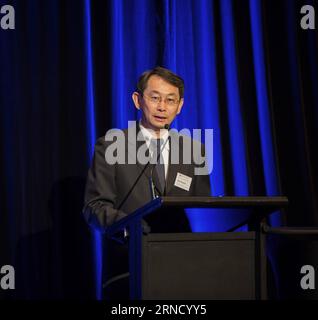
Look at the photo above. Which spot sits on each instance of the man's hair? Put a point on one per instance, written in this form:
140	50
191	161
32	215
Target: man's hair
163	73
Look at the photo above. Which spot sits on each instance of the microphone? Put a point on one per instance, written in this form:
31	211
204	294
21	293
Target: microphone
152	186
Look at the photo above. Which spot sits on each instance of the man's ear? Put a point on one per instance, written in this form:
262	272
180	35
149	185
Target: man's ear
136	96
180	105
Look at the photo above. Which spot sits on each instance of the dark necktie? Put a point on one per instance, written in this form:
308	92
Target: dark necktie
156	145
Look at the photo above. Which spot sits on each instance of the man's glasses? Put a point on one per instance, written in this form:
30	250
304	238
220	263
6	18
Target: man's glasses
156	99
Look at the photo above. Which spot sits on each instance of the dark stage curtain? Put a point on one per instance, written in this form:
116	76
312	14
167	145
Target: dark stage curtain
67	72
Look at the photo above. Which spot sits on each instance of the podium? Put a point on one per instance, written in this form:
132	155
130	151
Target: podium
209	265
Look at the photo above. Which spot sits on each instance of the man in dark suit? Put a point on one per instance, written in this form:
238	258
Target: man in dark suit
159	96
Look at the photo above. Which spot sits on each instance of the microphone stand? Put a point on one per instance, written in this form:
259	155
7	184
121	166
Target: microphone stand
152	186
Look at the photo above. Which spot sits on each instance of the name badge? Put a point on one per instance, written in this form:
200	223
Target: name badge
183	181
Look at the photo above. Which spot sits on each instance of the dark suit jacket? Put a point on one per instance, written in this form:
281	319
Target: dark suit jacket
107	185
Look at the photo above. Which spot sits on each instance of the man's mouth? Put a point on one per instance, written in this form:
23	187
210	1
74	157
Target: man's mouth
160	118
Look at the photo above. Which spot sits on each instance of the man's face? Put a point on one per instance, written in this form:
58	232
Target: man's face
160	103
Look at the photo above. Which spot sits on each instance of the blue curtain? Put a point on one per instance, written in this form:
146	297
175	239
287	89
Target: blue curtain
67	74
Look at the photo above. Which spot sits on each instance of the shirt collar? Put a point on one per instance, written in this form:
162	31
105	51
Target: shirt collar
148	135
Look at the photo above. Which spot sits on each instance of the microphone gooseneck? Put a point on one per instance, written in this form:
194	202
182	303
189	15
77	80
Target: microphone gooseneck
152	186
